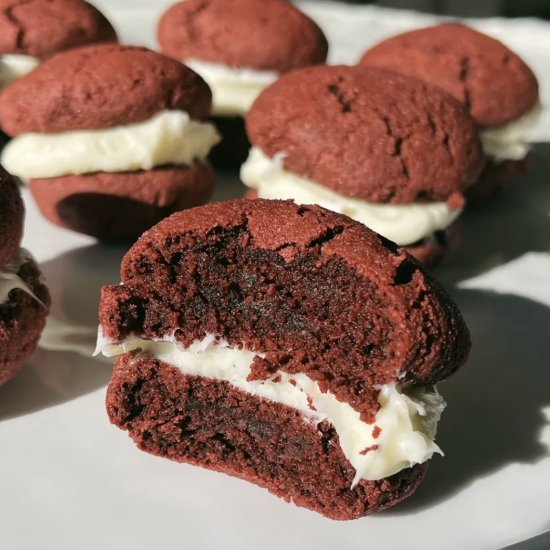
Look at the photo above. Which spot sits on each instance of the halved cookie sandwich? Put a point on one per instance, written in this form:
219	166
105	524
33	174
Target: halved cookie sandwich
111	139
287	345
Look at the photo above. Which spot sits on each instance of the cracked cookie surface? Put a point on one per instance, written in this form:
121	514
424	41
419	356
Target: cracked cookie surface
481	72
266	34
41	28
369	133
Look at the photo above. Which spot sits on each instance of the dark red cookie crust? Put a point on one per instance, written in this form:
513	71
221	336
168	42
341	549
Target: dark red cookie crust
296	290
109	85
41	28
481	72
211	424
266	35
368	133
22	320
119	207
11	217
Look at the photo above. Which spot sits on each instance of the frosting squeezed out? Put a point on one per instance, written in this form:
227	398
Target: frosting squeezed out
510	142
401	435
9	280
170	137
14	66
234	90
402	223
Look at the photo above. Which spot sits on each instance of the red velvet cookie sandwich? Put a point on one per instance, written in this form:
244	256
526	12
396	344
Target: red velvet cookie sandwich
33	30
239	47
287	345
387	150
110	138
497	87
24	299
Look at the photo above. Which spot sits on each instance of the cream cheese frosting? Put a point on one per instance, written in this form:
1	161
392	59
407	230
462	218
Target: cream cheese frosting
14	66
402	223
170	137
9	280
401	435
511	141
234	90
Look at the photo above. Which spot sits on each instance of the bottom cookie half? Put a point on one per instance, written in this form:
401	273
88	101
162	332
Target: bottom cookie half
209	423
119	207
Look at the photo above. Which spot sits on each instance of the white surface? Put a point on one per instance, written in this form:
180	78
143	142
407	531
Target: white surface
70	480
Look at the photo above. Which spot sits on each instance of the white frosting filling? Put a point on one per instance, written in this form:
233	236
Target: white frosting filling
14	66
402	223
234	90
401	436
9	280
170	137
510	142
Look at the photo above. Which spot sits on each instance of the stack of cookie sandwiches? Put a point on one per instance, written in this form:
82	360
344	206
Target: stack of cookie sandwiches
497	87
111	139
24	299
239	47
31	31
287	345
383	148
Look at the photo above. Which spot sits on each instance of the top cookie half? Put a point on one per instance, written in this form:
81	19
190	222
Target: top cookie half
491	80
265	35
100	87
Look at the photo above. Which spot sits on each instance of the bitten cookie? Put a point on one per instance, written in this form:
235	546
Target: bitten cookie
33	30
383	148
24	299
239	47
109	164
287	345
493	82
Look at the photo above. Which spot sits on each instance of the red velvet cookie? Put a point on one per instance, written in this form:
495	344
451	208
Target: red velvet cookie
22	315
366	135
271	35
145	82
117	205
491	80
41	28
309	295
267	35
11	217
